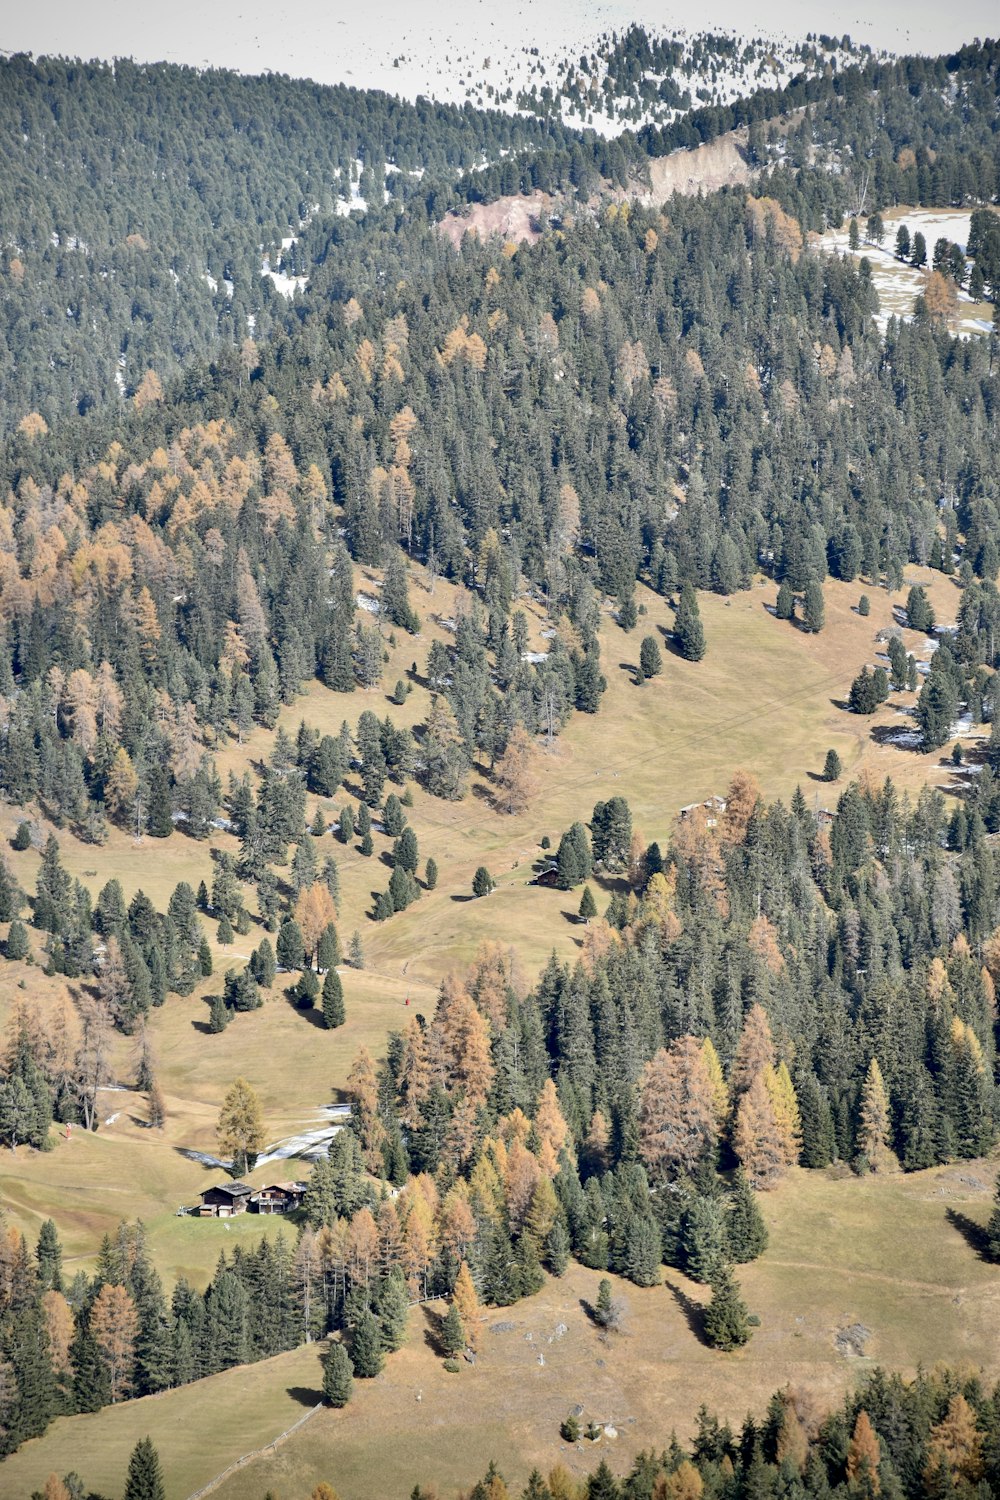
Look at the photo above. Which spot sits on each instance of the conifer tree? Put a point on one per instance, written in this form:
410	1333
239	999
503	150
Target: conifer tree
689	632
333	1000
465	1299
338	1376
603	1305
650	657
873	1121
392	1308
367	1355
48	1253
864	1454
746	1232
241	1126
726	1320
813	607
452	1333
588	906
17	946
145	1477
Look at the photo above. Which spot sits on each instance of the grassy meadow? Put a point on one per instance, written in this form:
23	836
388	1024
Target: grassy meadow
888	1256
767	696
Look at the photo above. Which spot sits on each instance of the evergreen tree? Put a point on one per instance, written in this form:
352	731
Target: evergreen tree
784	607
689	632
48	1253
17	946
703	1236
333	1000
650	657
813	607
452	1333
832	768
726	1318
482	882
145	1477
746	1232
290	947
338	1376
392	1308
588	906
367	1356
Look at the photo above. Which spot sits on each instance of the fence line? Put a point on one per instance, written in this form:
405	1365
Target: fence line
213	1484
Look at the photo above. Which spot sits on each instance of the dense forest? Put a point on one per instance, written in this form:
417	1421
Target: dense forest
608	404
691	396
139	203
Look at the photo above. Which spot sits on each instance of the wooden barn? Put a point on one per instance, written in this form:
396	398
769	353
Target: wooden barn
278	1197
547	877
225	1201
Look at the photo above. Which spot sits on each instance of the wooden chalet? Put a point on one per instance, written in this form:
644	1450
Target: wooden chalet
225	1201
278	1197
547	877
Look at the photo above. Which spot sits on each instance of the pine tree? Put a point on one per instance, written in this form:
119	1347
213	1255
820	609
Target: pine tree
431	874
145	1477
588	906
993	1227
17	946
832	768
650	657
452	1333
392	1308
603	1305
291	950
746	1232
367	1356
726	1320
338	1376
813	607
48	1253
689	632
557	1248
784	608
333	1000
482	882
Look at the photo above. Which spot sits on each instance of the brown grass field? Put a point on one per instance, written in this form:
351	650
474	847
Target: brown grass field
767	697
886	1253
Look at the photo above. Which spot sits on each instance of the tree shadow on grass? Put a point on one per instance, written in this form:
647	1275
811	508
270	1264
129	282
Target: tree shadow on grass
432	1333
972	1233
694	1313
305	1395
670	642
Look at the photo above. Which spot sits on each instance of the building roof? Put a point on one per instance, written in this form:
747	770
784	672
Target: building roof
231	1189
